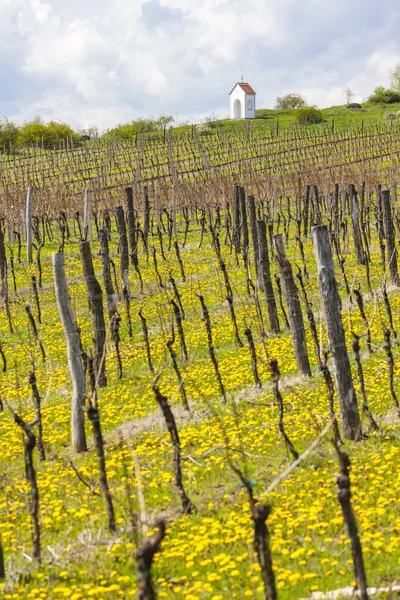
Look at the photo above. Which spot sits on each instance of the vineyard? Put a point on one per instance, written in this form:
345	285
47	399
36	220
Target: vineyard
199	366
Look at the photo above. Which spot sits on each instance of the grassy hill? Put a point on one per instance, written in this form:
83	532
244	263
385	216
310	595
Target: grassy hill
341	116
237	420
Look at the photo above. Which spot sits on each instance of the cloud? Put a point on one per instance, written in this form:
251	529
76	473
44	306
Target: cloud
108	61
154	13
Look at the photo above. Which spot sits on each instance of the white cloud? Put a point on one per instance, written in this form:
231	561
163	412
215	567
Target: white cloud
41	11
107	61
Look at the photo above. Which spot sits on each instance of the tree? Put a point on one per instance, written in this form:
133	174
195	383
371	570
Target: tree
32	132
37	131
164	120
306	115
290	101
91	132
8	134
129	130
348	93
395	78
381	95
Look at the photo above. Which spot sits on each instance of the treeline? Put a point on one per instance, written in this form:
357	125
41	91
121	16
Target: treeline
14	137
36	132
139	126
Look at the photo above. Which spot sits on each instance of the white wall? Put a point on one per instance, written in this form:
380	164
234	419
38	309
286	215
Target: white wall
250	108
237	94
245	112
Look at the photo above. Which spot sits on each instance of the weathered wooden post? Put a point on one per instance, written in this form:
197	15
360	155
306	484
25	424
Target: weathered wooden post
4	278
112	298
73	352
306	210
131	221
245	229
295	314
390	237
87	215
146	217
331	306
236	220
123	247
265	275
29	204
356	226
96	306
336	212
251	205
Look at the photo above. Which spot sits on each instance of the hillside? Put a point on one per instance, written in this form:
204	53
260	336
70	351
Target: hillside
371	114
208	398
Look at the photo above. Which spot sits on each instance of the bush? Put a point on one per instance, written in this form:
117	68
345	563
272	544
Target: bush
8	135
129	130
384	96
37	131
307	115
290	101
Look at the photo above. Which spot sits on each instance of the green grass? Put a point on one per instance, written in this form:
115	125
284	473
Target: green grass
209	555
371	114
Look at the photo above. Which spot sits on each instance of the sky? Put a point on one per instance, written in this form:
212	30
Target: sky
104	62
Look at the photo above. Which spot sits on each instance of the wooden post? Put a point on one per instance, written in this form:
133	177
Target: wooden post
245	229
146	217
4	278
236	220
295	314
96	306
336	212
130	217
251	205
29	203
316	205
112	298
87	215
356	226
123	247
331	306
73	352
390	237
306	210
265	275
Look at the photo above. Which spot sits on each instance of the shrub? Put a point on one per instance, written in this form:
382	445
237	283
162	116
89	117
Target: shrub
8	134
307	115
129	130
37	131
382	95
290	101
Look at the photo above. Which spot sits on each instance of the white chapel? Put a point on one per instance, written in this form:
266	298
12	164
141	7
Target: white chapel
242	101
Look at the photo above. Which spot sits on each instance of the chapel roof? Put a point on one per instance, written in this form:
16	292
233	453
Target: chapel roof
246	87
